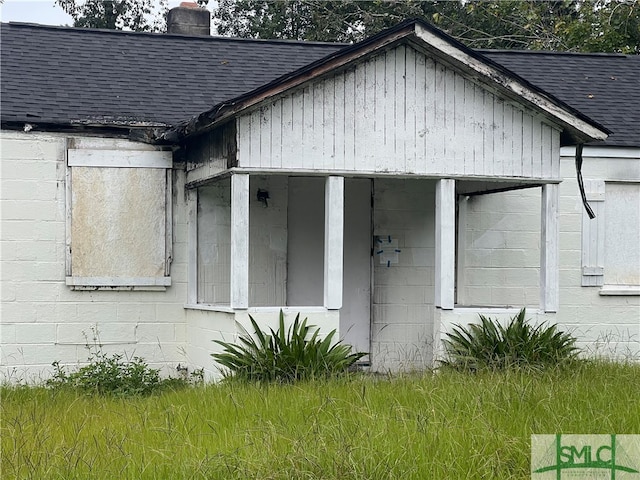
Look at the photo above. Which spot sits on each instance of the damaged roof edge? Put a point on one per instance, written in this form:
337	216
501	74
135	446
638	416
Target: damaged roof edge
579	128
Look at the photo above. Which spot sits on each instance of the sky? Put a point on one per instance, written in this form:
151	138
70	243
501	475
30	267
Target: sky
34	11
45	12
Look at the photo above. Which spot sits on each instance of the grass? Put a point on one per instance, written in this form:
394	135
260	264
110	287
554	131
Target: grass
448	425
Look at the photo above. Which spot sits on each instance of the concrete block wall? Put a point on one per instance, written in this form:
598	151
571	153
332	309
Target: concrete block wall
604	325
403	293
214	243
500	262
268	241
42	319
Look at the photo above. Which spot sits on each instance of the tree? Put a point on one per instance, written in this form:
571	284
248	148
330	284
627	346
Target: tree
136	15
569	25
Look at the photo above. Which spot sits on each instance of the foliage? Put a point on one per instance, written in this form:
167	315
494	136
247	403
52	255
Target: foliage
449	425
115	375
566	25
286	355
491	345
135	15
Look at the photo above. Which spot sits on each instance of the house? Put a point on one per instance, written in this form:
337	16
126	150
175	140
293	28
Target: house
157	189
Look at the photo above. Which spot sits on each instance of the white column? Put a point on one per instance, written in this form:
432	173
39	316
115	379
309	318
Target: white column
549	249
192	246
333	241
445	243
240	241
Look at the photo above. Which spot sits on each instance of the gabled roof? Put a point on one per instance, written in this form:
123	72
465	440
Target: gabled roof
57	75
606	87
61	76
577	127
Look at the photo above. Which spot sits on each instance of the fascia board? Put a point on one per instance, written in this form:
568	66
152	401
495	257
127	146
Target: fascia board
510	84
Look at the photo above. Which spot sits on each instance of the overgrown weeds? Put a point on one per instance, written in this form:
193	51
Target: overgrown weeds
491	345
287	355
449	425
114	375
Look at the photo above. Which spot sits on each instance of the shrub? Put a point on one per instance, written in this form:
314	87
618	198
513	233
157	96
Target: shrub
285	356
113	375
490	345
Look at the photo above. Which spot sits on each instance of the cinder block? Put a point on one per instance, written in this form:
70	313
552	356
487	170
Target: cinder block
7	291
18	272
97	312
49	271
522	277
170	313
39	354
36	251
18	312
36	147
389	314
399	295
155	332
19	229
7	333
136	312
27	169
39	291
42	333
56	312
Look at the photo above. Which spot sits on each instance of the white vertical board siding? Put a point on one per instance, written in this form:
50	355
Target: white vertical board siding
398	112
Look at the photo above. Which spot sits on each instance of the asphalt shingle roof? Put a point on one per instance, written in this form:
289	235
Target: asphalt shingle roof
605	87
62	75
58	75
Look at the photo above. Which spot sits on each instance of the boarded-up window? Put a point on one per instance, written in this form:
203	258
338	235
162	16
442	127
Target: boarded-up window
622	234
611	241
119	225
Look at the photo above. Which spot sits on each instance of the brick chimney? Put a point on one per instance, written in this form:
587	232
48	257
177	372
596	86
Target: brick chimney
189	19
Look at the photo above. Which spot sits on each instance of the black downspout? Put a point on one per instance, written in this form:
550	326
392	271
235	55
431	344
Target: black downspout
587	207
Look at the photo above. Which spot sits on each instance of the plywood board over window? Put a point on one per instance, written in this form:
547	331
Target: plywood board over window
118	217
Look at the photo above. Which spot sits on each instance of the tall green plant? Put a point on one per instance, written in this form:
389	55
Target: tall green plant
491	345
286	355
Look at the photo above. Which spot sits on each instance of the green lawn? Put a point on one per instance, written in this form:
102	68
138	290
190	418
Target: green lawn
432	426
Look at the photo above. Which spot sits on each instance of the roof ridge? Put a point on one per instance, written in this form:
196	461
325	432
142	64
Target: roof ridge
172	35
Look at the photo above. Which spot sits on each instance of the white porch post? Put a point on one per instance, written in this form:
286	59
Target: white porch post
445	243
333	241
240	241
549	251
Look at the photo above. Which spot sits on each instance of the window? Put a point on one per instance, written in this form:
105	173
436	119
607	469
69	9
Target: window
611	241
118	216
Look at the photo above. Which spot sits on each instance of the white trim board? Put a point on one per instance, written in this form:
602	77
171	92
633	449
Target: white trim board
119	281
119	158
602	152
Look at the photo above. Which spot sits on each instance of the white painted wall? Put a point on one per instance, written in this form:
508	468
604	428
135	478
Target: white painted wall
355	314
305	277
268	241
499	249
42	319
403	295
398	111
214	243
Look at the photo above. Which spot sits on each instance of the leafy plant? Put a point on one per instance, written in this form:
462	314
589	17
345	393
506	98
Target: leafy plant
491	345
285	355
113	375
